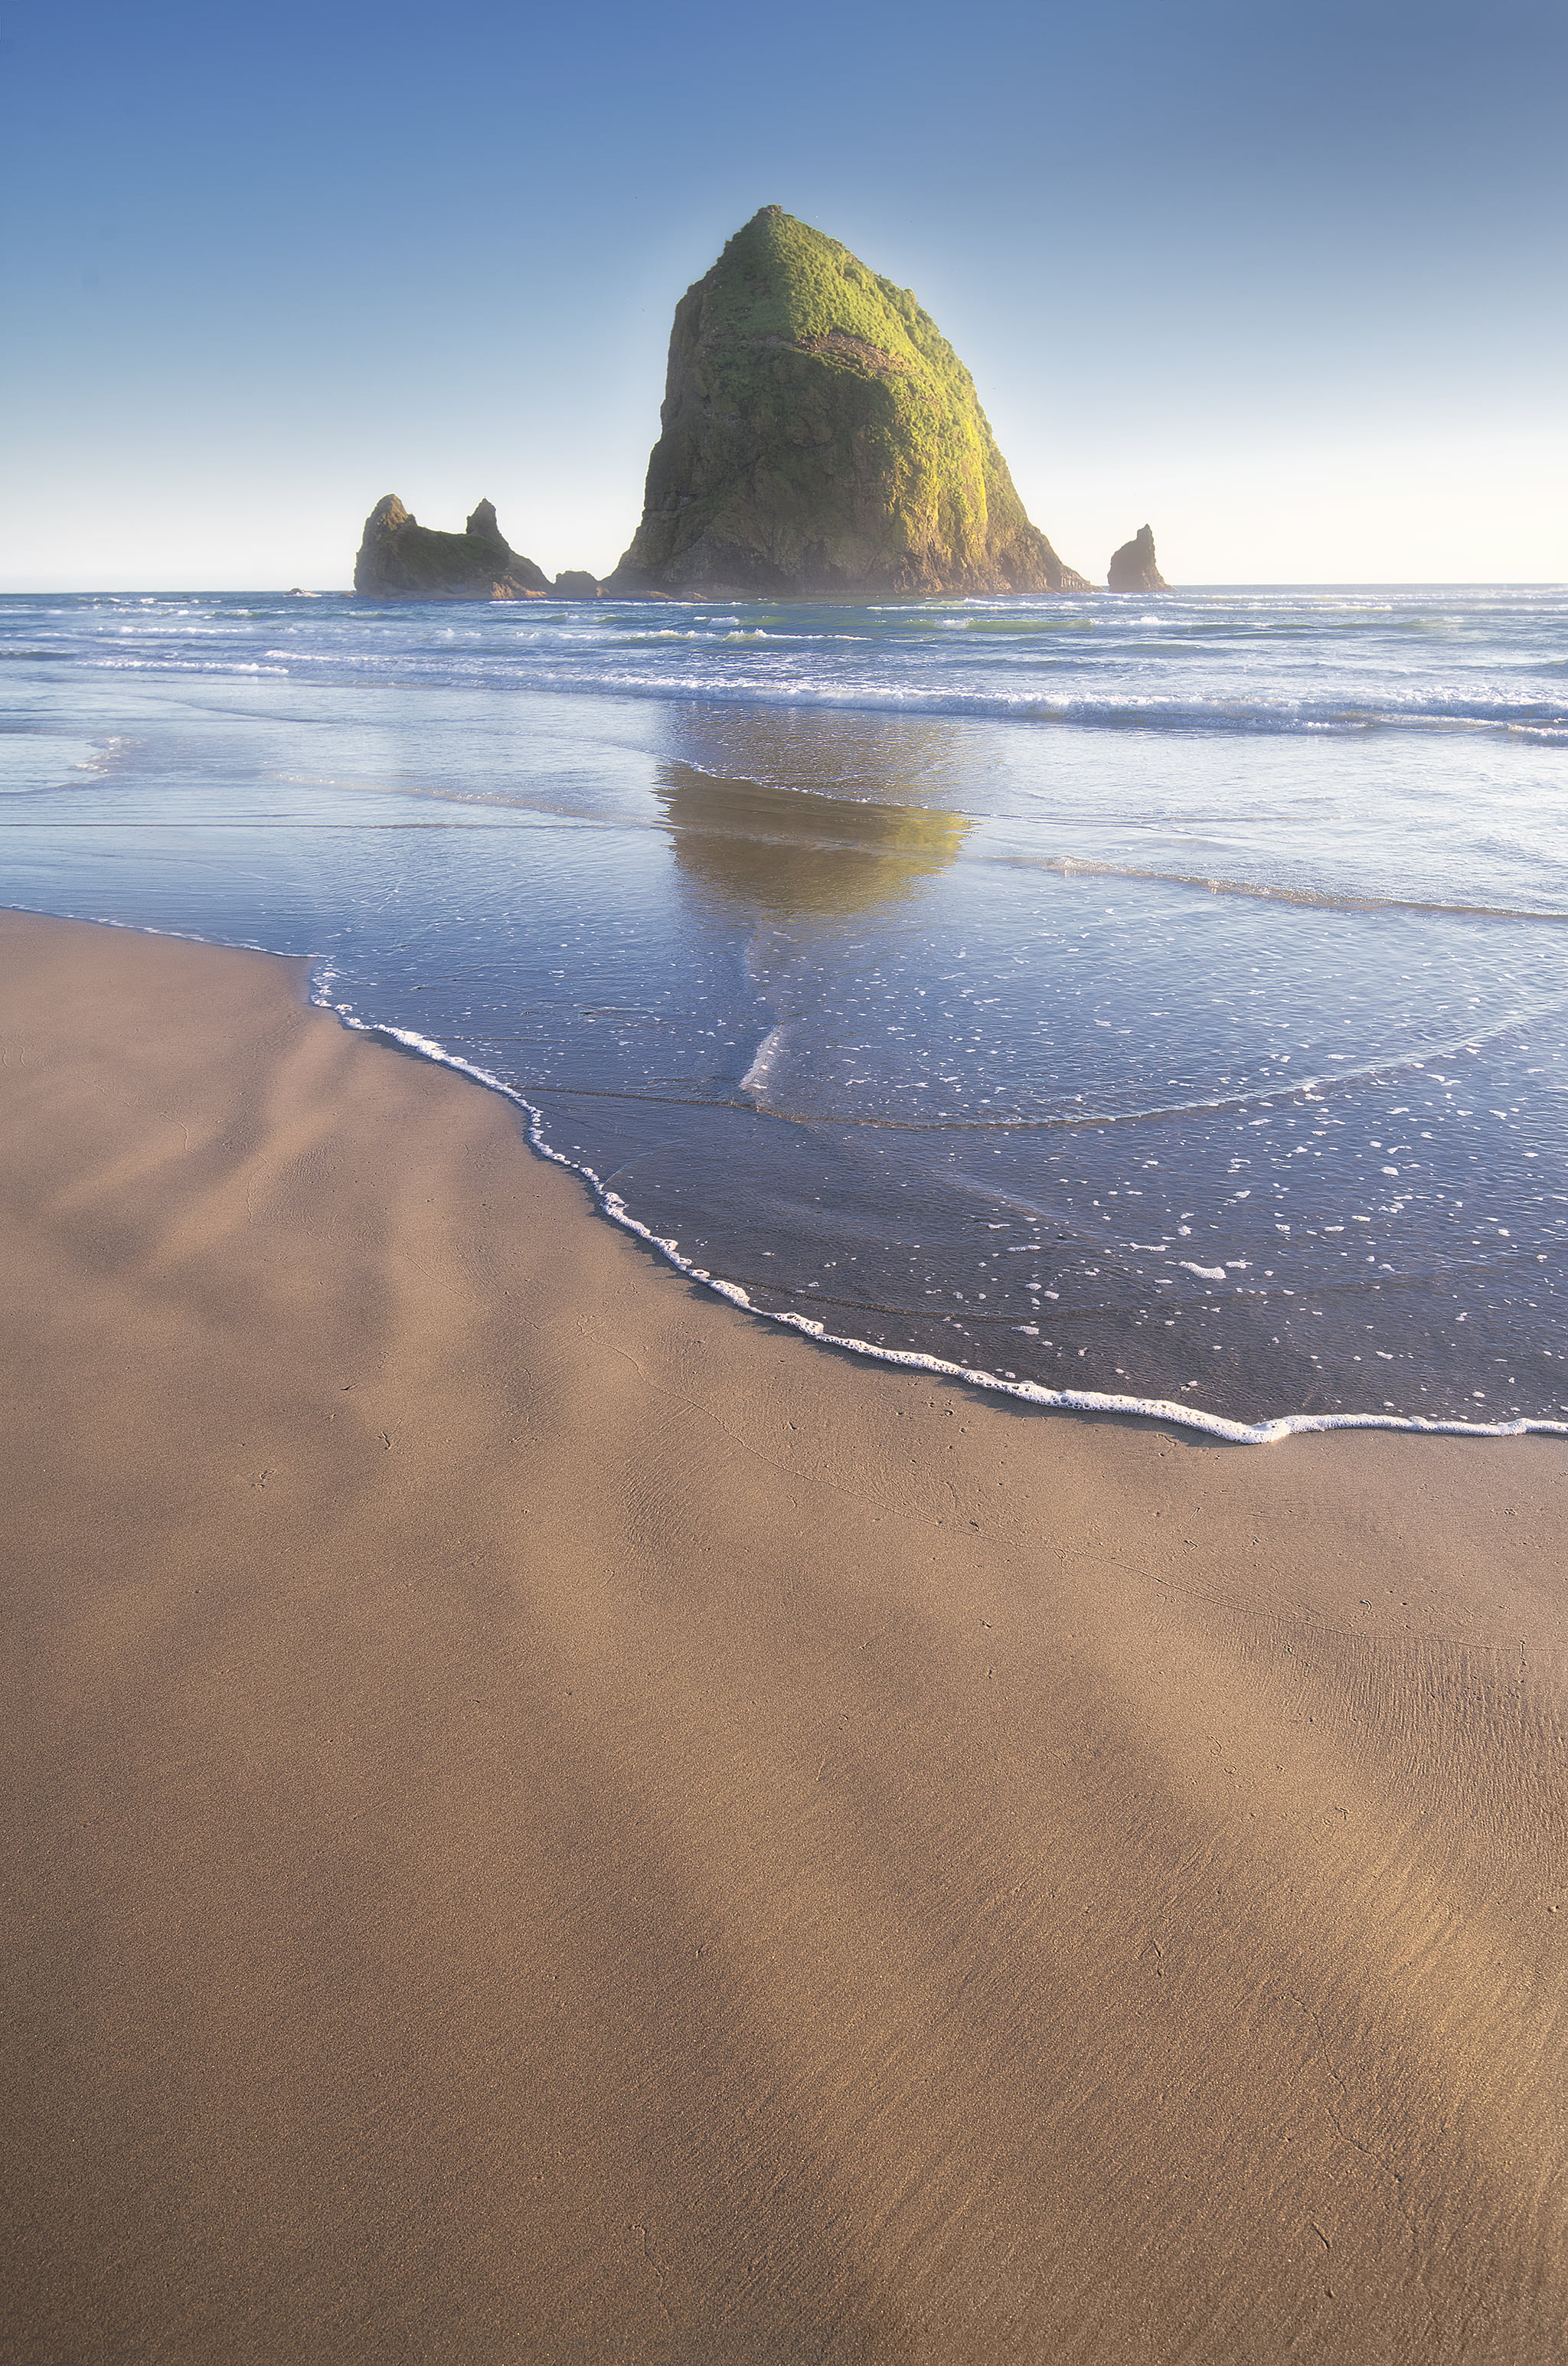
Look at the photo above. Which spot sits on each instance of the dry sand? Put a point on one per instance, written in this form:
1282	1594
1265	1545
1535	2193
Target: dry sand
549	1821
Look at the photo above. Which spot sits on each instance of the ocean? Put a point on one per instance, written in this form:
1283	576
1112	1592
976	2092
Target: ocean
1149	1003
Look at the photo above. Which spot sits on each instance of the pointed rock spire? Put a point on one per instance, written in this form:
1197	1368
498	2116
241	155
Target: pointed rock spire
1133	567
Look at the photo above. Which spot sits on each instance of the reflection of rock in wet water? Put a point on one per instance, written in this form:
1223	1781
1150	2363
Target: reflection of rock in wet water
797	813
790	850
891	760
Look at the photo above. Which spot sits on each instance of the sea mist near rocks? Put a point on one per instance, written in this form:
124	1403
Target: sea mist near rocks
1165	1003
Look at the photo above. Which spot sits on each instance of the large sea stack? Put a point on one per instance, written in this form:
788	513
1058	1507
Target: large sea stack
401	560
1133	566
820	435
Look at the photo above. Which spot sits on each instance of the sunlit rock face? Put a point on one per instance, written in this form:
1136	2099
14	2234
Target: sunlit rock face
821	437
401	560
1133	567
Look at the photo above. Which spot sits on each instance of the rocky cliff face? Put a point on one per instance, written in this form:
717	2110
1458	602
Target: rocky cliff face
401	560
1132	568
820	435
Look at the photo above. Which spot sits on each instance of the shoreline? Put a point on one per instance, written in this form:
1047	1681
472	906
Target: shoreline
1268	1430
553	1826
613	1207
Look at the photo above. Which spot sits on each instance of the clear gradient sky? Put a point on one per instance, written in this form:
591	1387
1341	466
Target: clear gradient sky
1285	281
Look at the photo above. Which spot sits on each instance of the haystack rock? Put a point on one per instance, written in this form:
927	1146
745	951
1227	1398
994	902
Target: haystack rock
820	436
1132	568
401	560
576	583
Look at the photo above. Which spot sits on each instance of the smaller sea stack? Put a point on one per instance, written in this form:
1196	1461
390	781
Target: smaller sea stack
1132	568
401	560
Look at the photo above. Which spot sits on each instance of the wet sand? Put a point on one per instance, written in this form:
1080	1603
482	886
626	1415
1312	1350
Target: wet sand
549	1821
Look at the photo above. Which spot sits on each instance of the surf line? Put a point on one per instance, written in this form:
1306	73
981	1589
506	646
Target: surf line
610	1205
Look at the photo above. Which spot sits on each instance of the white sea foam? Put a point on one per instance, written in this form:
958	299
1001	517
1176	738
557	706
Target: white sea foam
756	1075
30	761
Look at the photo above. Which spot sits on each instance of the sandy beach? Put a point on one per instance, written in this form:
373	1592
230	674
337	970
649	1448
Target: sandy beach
552	1822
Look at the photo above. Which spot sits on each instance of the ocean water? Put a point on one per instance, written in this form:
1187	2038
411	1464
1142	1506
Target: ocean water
1156	1002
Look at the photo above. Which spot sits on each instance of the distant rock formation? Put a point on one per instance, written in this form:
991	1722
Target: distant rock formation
401	560
576	583
821	436
1132	568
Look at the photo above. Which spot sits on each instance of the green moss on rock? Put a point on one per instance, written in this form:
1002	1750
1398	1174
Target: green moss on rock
820	435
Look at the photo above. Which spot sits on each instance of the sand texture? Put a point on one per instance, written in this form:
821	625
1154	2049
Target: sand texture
549	1821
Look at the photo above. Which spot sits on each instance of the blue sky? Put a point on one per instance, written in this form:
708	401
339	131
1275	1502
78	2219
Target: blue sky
1287	282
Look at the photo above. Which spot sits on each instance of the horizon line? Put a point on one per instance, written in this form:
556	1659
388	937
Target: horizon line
802	599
